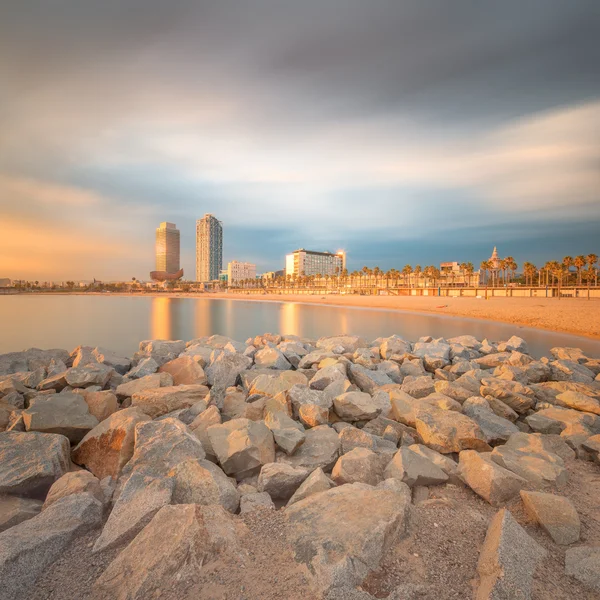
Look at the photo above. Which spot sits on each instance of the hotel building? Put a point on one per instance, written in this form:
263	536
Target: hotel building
236	271
167	253
309	262
209	248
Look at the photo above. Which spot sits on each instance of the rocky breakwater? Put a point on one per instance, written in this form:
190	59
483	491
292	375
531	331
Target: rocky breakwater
287	467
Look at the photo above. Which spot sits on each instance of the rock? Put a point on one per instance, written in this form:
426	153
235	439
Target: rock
352	437
177	543
508	560
578	401
531	467
392	370
355	406
514	344
108	447
202	482
271	358
502	410
360	465
367	381
160	446
418	387
495	428
320	449
572	354
592	445
493	360
449	431
29	360
446	464
313	415
91	374
512	393
75	482
141	497
414	469
242	446
548	447
162	351
394	348
343	533
271	385
316	482
256	501
441	401
28	548
583	563
326	376
280	480
555	514
161	401
225	370
453	390
101	404
287	433
486	478
300	395
146	366
66	414
345	343
572	421
31	462
149	382
106	357
435	355
566	370
200	425
185	371
15	510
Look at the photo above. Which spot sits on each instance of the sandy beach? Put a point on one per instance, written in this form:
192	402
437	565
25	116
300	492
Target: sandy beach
567	315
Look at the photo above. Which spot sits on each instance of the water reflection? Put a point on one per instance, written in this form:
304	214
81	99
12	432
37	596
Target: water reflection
120	323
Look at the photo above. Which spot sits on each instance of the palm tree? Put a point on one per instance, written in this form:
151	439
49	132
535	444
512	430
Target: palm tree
511	266
529	270
407	272
485	266
417	273
592	259
469	269
579	263
376	274
568	262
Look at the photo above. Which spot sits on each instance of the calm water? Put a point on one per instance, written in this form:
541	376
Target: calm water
119	323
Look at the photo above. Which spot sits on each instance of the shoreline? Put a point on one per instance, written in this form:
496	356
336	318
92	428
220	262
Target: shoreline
582	317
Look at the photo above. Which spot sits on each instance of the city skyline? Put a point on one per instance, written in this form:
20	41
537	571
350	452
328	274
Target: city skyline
402	132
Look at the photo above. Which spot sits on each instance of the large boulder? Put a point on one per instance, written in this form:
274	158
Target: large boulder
486	478
107	448
161	401
185	371
539	470
202	482
435	355
356	406
414	469
177	543
224	371
242	446
342	344
366	379
579	401
583	563
74	482
161	351
343	533
508	560
555	514
31	462
360	465
280	480
92	374
277	382
321	448
66	414
449	431
444	462
287	433
327	375
300	395
149	382
394	348
199	427
28	548
109	358
270	357
101	404
495	429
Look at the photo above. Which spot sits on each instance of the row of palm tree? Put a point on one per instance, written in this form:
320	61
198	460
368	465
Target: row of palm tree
559	273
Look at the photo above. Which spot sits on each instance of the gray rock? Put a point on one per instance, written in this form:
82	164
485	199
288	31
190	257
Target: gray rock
321	448
15	510
414	469
316	482
445	463
366	379
508	560
75	482
533	467
271	358
356	406
163	400
28	548
418	387
109	358
146	366
31	462
91	374
360	465
276	382
346	343
280	480
495	428
555	514
343	533
225	370
352	437
326	376
256	501
583	563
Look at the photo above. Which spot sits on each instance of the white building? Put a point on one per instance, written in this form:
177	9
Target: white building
236	271
309	262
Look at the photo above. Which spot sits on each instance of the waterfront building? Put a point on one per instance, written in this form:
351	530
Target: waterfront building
236	271
309	262
167	253
495	260
209	248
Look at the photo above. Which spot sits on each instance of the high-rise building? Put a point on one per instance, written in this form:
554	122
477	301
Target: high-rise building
236	271
209	248
308	262
167	253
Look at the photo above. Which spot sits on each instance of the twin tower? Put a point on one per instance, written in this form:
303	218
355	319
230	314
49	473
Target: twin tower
209	251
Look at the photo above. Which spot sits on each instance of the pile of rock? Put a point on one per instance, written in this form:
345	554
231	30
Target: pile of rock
162	453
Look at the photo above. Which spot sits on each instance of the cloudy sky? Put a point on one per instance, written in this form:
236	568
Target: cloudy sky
405	131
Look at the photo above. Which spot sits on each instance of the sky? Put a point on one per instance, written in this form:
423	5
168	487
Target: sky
403	131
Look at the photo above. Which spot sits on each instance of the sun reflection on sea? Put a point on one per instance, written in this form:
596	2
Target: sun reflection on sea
161	319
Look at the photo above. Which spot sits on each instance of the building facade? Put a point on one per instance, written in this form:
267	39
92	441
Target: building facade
309	262
237	271
167	253
209	248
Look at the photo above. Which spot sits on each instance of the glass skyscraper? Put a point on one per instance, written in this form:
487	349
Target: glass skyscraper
209	248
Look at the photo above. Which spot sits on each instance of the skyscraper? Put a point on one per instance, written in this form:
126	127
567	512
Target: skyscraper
167	253
209	248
